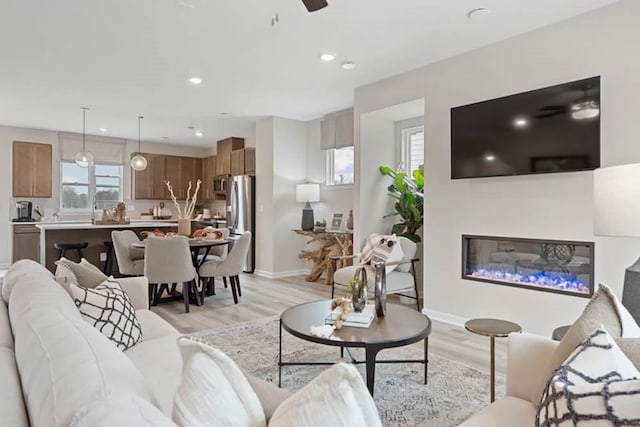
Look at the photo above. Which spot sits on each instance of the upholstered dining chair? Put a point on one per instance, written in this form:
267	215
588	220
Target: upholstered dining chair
130	260
230	267
167	261
401	280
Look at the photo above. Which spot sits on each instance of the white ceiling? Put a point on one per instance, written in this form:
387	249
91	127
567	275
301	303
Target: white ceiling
124	58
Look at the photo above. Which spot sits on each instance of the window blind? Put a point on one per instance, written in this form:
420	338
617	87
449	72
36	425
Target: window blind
104	149
336	130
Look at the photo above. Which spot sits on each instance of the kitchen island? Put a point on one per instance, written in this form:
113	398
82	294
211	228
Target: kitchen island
95	235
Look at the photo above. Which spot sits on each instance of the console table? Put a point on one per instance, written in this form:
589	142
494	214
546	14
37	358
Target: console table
331	243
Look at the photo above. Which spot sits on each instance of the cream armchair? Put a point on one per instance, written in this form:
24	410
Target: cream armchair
401	280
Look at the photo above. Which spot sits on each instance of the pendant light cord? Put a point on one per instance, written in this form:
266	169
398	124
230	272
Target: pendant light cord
139	118
84	113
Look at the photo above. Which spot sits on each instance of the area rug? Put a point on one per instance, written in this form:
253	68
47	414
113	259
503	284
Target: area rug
454	391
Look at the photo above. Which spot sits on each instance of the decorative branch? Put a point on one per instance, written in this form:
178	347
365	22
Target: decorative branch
173	197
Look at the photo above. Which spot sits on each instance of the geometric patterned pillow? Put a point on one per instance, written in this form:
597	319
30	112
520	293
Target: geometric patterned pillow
381	248
597	385
108	308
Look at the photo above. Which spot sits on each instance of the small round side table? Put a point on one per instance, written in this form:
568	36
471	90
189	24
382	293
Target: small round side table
492	328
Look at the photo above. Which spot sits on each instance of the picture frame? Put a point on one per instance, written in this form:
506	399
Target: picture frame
336	222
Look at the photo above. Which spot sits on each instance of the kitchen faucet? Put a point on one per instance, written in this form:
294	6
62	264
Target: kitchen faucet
93	209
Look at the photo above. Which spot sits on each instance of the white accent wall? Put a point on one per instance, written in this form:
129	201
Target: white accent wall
555	206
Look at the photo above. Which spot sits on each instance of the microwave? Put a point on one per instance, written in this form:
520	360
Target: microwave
220	184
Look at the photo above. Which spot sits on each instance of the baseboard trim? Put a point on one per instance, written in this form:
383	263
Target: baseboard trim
445	317
279	275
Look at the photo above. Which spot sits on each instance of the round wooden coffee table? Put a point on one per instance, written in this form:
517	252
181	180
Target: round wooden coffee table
492	328
399	327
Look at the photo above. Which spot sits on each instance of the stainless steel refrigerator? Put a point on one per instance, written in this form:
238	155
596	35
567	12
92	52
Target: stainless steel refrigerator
241	212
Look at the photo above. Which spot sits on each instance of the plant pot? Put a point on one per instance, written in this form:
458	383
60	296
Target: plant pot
184	227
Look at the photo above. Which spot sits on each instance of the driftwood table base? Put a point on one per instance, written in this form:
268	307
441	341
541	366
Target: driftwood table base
330	244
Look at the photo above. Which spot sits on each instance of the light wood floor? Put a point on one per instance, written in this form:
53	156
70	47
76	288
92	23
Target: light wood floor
262	297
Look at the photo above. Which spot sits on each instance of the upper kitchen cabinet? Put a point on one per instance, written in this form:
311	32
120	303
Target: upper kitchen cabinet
190	171
149	183
223	155
32	169
243	162
208	172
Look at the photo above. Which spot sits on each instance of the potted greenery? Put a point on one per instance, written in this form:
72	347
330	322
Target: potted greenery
408	192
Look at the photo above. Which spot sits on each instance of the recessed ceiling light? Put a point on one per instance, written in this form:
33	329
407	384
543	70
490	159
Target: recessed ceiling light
520	122
103	129
199	134
195	80
348	65
327	57
478	13
489	157
223	113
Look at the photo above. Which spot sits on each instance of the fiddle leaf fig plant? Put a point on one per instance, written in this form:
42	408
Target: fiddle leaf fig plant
408	192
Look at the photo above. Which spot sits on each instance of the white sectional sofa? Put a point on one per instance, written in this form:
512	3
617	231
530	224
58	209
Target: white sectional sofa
527	357
58	370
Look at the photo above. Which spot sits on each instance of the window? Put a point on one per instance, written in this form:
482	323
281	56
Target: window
412	148
79	185
340	166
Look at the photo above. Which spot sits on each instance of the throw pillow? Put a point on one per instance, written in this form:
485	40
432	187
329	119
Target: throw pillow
65	276
631	348
597	385
337	397
213	390
379	248
87	275
604	310
108	308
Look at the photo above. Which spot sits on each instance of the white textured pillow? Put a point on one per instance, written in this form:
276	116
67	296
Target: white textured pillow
337	398
597	384
87	274
108	308
213	390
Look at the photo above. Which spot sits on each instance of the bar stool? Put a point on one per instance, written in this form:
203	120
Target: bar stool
63	247
108	264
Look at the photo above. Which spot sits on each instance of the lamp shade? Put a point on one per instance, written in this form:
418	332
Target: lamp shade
307	193
616	198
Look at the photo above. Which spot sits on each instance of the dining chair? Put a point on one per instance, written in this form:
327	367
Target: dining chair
130	260
401	280
167	261
230	267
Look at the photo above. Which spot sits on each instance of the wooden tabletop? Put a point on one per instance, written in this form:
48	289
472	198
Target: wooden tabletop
194	243
400	326
492	327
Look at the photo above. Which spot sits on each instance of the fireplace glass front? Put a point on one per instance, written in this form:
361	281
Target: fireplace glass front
547	265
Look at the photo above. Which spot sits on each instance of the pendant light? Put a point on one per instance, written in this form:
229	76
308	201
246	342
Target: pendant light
138	162
84	159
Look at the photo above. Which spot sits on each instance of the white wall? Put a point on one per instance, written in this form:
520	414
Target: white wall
264	197
546	206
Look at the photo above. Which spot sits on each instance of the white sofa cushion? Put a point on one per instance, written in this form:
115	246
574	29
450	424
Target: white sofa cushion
12	411
6	337
507	412
593	386
16	273
213	390
108	309
120	410
64	364
40	291
154	326
337	397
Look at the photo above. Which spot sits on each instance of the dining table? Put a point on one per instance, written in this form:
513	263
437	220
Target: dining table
200	248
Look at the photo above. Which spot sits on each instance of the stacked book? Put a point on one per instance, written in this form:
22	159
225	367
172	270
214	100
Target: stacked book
358	320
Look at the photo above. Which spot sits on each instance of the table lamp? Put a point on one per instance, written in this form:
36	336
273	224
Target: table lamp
616	203
307	193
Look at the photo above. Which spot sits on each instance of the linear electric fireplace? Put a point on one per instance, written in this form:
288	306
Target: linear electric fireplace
559	266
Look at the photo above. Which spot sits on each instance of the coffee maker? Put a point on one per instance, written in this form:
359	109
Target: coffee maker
23	209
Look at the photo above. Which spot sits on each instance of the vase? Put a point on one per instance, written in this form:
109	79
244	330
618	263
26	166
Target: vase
359	290
380	284
350	221
184	227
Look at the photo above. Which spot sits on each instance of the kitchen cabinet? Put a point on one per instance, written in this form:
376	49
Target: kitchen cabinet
243	162
208	172
190	171
223	156
26	242
32	169
149	183
173	174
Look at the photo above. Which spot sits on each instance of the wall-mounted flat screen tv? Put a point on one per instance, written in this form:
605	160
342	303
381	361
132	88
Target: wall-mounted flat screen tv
555	129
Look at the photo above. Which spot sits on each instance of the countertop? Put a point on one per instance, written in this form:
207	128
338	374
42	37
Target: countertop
60	225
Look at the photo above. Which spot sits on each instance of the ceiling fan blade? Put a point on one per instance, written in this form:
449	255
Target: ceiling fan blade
313	5
554	107
555	113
